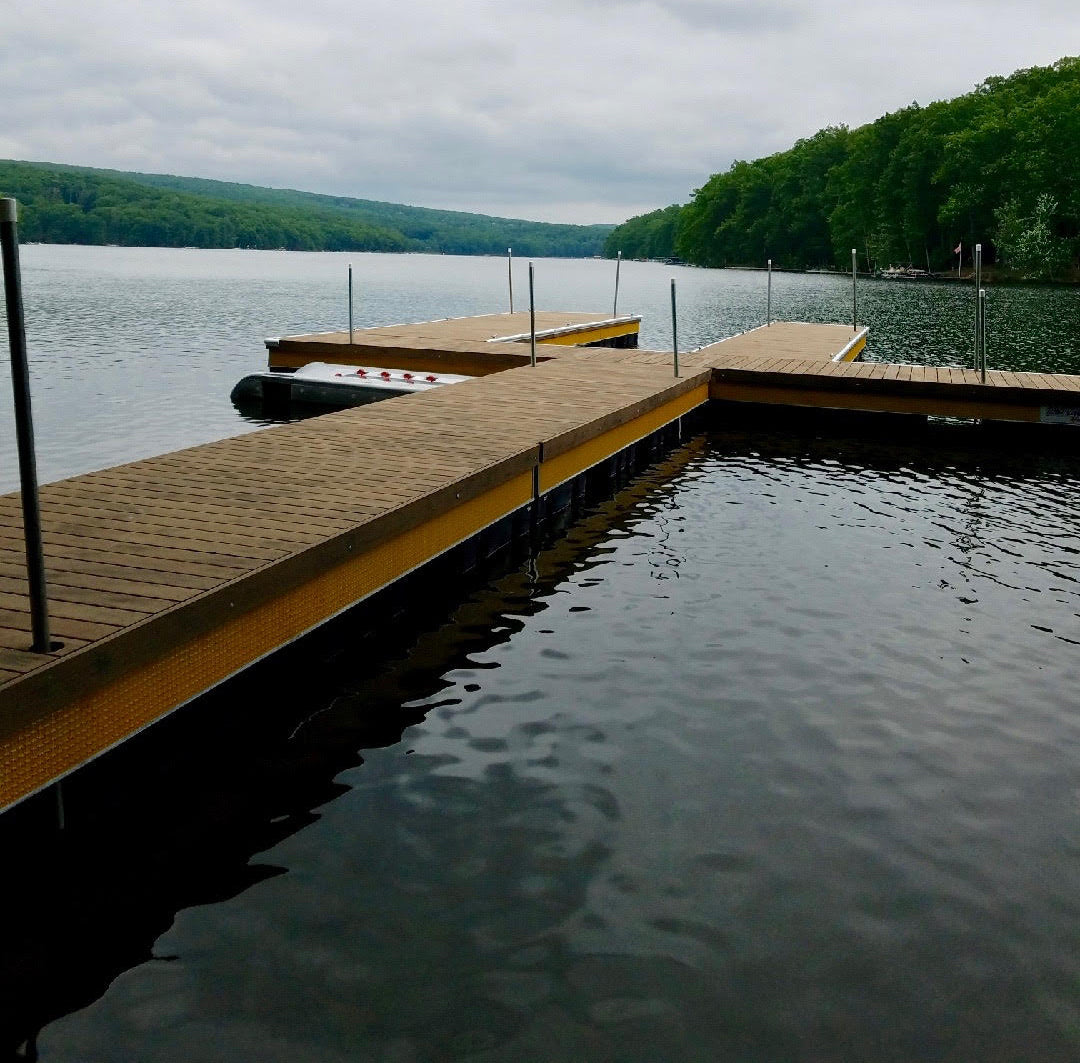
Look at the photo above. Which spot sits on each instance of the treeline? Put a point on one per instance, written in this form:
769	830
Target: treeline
81	205
998	166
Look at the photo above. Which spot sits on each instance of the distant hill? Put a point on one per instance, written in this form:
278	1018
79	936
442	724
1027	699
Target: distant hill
84	205
997	166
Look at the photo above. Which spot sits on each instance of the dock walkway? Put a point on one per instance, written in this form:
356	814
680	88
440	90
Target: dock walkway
170	574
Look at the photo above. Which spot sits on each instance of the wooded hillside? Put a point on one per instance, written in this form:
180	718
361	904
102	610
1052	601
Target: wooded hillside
81	205
1000	166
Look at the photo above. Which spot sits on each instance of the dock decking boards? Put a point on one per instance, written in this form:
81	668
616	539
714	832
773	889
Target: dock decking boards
474	346
169	574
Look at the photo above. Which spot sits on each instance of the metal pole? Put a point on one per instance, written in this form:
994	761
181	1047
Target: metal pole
982	333
618	265
978	304
854	291
532	318
24	427
674	329
768	298
350	304
510	275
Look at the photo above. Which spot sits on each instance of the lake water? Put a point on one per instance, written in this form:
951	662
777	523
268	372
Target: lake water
135	350
774	756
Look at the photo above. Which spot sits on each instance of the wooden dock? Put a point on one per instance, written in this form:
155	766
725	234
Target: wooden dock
168	575
473	346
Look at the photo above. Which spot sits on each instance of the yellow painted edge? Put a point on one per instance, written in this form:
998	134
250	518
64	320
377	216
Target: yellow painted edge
561	468
477	363
88	726
591	335
856	349
874	402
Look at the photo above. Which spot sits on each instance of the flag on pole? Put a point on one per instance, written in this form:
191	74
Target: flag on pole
959	248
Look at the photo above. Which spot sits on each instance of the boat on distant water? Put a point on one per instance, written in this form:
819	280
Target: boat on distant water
903	273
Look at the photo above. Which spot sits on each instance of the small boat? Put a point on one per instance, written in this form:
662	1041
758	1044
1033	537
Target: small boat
323	384
903	273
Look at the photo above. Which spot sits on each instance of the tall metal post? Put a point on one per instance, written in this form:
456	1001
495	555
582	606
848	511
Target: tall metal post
674	329
510	275
768	298
350	304
618	265
854	290
978	301
24	427
982	333
532	319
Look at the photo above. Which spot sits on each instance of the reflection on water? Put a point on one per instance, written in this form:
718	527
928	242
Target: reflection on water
773	757
134	351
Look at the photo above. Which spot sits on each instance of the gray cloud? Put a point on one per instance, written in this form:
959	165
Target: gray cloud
725	16
569	111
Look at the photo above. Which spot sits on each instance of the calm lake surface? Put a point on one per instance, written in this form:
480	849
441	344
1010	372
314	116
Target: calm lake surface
773	756
135	350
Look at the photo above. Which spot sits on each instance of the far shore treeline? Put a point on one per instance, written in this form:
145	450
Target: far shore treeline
999	166
81	205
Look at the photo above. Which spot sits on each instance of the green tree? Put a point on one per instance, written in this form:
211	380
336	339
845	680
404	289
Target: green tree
902	189
1028	243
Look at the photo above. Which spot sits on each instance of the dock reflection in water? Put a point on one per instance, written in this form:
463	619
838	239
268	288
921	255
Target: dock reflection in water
773	757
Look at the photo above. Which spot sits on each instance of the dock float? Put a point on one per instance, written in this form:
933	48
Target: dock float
472	346
171	574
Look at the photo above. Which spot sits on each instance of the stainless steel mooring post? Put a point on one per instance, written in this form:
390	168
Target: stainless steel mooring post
24	427
978	301
854	290
510	275
674	329
982	333
615	305
532	319
350	304
768	297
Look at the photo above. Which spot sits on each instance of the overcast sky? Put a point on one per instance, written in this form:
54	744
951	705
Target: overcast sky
586	111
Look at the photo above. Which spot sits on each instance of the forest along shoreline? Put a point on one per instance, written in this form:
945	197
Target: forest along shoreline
918	188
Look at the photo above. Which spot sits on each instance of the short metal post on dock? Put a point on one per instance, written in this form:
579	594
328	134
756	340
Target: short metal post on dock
350	305
768	297
982	335
24	427
978	302
510	275
854	290
615	305
674	329
532	319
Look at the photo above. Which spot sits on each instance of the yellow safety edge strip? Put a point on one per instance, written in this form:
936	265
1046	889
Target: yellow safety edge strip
856	349
874	402
591	335
87	726
564	467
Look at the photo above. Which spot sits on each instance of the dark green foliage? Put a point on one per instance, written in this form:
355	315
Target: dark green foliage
904	190
649	235
69	204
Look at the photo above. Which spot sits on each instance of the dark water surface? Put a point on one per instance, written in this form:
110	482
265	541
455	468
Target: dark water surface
776	756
